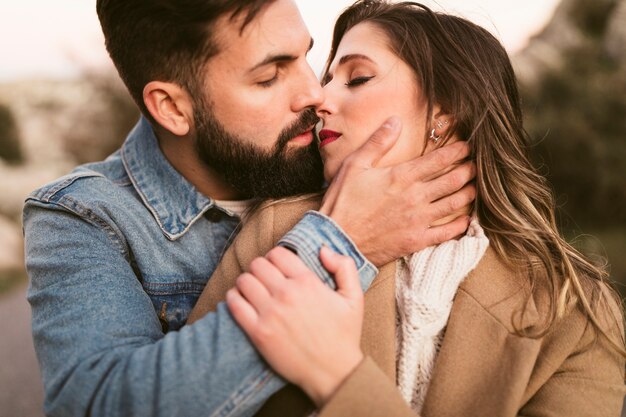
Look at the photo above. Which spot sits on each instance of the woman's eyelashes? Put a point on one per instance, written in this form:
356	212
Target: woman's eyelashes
356	81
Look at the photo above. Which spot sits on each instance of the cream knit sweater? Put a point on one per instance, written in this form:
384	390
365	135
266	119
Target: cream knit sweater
426	283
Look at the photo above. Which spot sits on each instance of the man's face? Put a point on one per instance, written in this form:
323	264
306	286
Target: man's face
256	113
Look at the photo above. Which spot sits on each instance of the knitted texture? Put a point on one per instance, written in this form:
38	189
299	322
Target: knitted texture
426	283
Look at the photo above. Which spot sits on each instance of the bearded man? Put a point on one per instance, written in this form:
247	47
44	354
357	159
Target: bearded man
118	251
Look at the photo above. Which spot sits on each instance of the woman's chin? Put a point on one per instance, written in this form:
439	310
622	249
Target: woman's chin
330	171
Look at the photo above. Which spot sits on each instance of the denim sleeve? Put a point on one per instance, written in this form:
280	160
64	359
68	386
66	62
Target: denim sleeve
100	345
316	230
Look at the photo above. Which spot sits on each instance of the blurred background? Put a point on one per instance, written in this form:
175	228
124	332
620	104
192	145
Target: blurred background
61	104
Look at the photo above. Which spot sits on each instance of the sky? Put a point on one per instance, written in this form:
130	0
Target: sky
57	39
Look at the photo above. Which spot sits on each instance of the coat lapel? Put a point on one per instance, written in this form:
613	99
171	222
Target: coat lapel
378	339
483	367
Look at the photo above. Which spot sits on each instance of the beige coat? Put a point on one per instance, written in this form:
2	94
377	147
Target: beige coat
483	369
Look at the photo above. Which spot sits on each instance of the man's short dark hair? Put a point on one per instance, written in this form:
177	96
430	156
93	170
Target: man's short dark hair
165	40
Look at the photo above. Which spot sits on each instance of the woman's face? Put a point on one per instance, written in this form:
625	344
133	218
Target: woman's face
366	84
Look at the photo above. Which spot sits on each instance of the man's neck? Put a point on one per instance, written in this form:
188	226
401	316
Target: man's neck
181	153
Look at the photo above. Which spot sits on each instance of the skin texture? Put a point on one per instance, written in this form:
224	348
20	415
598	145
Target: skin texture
278	300
305	357
366	83
252	102
262	100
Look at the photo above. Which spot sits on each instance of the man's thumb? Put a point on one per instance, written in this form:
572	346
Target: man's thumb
379	143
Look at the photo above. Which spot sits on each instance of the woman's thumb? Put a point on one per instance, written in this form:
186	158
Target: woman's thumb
344	271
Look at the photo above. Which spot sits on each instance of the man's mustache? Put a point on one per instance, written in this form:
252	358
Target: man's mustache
306	119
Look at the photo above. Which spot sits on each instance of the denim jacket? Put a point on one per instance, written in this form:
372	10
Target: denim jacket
117	253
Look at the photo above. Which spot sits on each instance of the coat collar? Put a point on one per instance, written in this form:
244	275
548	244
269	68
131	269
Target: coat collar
173	201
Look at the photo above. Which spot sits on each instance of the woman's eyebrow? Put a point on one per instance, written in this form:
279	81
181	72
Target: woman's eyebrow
344	60
351	57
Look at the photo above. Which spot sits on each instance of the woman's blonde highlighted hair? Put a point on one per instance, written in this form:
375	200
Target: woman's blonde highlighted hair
466	71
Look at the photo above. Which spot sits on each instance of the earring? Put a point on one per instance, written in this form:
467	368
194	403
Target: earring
440	126
433	137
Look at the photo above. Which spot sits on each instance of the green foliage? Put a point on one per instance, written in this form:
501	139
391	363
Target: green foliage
9	137
578	115
592	15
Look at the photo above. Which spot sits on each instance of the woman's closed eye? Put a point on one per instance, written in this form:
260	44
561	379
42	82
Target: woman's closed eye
356	81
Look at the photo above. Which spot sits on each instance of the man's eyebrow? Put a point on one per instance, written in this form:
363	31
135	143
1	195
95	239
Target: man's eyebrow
276	59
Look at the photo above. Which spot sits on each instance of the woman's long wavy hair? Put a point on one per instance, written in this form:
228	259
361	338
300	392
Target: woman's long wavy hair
466	71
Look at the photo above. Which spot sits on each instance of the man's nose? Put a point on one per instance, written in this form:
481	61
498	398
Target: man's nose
330	103
309	93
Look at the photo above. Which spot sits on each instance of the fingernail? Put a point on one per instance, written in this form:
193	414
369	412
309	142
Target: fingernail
391	123
327	250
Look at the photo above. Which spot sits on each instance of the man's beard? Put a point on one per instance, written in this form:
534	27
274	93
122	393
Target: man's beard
255	172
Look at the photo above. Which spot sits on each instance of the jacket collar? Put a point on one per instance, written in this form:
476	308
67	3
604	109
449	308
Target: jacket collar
173	201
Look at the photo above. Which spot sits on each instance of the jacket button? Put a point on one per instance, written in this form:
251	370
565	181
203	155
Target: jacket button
214	215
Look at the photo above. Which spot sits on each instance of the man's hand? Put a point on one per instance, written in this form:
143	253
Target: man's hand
388	212
307	332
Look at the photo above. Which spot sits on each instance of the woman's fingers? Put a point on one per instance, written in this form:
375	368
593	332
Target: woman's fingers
288	263
253	291
243	312
344	271
267	273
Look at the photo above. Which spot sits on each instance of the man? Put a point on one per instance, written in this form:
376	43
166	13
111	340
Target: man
118	251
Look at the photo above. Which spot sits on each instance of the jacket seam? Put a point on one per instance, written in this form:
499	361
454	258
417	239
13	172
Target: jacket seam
48	194
496	319
71	205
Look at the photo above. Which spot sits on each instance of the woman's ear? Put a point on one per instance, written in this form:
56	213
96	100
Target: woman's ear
170	106
439	129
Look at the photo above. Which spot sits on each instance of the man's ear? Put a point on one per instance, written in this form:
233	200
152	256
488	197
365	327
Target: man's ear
170	106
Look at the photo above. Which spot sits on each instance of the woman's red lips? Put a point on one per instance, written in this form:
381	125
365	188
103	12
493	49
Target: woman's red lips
328	136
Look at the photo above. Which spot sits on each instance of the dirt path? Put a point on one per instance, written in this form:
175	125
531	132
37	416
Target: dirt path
21	393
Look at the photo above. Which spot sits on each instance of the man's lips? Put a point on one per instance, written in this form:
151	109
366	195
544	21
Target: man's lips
304	138
328	136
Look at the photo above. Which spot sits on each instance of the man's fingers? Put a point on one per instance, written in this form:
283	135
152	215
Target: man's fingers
381	141
243	312
439	234
451	182
344	271
454	202
287	262
434	163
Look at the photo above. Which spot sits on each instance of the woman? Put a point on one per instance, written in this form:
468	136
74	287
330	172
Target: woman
507	320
